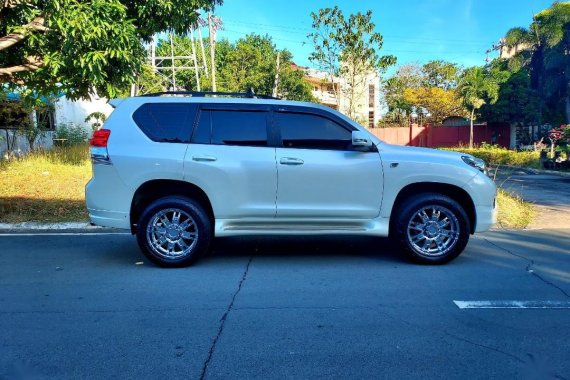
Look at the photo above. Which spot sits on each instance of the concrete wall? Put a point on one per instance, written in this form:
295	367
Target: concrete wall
22	145
68	111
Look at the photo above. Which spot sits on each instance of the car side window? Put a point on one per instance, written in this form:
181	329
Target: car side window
310	131
166	122
229	127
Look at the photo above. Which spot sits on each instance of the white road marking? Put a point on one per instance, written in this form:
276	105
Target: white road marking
511	304
63	233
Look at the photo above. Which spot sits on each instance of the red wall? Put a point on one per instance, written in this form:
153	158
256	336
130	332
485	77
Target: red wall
430	136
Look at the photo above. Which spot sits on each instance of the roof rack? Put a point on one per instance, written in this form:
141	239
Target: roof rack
250	94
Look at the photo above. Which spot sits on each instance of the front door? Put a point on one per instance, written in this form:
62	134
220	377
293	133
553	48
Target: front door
320	174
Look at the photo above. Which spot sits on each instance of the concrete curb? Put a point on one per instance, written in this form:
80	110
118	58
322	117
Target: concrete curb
46	228
535	171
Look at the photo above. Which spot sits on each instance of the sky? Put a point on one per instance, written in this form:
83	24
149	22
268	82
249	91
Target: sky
418	31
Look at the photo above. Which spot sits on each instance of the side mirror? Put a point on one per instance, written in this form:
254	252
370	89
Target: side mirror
361	140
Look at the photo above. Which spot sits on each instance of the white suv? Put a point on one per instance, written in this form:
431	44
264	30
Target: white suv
179	170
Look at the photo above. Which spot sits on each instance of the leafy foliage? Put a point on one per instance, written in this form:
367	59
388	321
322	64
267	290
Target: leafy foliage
477	86
495	155
541	53
77	47
441	103
431	86
347	48
71	134
248	63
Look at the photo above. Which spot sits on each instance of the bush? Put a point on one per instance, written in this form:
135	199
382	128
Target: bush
495	155
70	134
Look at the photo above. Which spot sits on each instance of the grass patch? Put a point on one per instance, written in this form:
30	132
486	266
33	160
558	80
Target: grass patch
494	156
513	211
45	186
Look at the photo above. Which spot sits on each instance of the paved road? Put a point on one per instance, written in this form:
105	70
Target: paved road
80	307
550	194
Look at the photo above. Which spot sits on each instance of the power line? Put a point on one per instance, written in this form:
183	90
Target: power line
390	36
390	50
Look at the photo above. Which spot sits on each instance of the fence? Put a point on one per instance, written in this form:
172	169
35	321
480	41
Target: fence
435	136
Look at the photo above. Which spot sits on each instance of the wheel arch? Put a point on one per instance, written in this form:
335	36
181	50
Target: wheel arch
454	192
155	189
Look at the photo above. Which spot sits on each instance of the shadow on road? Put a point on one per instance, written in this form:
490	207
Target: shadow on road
304	246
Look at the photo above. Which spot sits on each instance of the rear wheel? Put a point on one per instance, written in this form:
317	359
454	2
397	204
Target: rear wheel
432	228
174	231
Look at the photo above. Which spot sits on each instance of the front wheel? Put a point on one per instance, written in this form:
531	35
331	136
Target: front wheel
174	231
432	228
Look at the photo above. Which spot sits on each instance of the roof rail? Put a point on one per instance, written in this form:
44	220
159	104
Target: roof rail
250	94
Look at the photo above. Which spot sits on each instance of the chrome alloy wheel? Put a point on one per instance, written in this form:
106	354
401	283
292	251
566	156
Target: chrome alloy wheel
172	233
433	230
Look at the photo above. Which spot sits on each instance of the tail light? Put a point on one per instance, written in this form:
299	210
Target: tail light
98	147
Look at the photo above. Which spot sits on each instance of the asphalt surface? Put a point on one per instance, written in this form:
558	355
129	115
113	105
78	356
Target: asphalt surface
86	307
548	192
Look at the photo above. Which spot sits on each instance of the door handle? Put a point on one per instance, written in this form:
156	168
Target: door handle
291	161
204	158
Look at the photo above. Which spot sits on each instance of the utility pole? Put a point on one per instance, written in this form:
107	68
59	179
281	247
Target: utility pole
153	53
172	60
195	60
212	32
203	51
276	83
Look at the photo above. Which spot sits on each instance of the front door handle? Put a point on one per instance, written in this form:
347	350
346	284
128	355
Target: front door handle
204	158
291	161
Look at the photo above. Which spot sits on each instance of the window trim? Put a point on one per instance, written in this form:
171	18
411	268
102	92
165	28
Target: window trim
236	107
312	112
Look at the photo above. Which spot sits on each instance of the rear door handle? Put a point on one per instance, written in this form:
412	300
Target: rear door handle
204	158
291	161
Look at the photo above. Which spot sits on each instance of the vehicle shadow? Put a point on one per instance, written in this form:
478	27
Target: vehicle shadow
305	246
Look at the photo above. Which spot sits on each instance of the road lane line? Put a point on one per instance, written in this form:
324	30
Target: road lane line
512	304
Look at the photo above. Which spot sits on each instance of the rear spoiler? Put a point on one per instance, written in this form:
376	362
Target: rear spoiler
115	102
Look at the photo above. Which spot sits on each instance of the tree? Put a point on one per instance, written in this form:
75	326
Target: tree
440	103
441	74
408	76
248	63
347	48
476	85
431	86
543	50
517	102
77	47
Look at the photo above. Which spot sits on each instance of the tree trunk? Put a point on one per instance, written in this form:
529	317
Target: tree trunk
471	129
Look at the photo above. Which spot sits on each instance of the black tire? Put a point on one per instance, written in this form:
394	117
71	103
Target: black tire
183	240
436	236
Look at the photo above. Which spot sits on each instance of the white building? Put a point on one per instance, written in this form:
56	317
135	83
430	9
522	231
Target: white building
64	111
367	99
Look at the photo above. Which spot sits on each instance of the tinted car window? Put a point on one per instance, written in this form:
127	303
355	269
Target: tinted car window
299	130
166	122
238	127
203	129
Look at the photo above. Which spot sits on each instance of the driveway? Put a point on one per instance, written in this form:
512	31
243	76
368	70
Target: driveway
89	306
549	193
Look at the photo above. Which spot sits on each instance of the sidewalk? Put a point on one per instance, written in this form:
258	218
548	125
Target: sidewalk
550	193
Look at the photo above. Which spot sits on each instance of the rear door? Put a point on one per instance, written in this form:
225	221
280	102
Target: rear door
232	159
320	174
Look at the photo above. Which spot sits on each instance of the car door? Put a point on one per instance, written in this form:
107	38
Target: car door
231	159
320	174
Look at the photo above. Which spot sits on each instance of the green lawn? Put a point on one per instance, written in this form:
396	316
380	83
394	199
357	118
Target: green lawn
49	187
45	186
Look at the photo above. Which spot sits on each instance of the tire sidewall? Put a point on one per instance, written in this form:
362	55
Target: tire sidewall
203	226
408	210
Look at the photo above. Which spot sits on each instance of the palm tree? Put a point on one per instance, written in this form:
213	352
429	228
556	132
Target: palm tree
476	85
543	49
